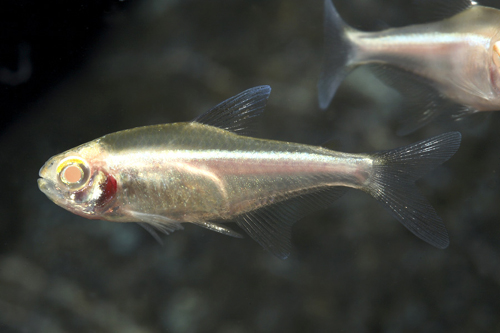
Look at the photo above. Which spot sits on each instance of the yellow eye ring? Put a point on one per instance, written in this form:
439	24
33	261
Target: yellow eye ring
73	172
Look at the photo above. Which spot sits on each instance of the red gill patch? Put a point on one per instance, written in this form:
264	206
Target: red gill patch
108	188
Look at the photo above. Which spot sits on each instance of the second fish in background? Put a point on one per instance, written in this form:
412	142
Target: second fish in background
449	66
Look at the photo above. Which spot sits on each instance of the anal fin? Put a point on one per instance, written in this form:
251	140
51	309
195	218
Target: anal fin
271	226
422	102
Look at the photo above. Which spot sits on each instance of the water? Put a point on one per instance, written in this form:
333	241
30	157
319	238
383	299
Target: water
353	267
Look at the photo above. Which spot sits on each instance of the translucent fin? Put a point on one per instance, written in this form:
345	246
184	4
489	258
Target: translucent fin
463	112
436	10
219	228
153	223
151	231
337	54
422	102
239	113
392	184
477	122
418	115
271	226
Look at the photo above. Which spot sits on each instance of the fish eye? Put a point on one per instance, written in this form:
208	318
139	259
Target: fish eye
73	172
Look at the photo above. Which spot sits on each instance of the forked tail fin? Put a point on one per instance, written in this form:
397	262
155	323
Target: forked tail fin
338	52
392	184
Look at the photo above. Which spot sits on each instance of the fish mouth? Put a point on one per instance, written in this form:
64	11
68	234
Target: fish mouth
45	185
48	188
52	191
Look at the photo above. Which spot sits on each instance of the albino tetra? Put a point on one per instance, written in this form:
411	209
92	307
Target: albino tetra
204	172
453	64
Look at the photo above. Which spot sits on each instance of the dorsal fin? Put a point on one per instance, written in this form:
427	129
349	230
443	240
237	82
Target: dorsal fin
238	114
435	10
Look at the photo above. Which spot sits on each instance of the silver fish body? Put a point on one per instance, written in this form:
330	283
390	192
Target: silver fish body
196	172
458	58
191	172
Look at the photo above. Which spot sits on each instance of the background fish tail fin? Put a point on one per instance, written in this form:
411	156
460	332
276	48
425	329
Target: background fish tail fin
337	53
392	184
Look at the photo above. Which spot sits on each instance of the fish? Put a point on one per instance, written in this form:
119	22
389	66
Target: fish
446	67
209	172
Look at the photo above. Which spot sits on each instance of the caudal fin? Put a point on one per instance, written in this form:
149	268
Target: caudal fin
392	184
337	55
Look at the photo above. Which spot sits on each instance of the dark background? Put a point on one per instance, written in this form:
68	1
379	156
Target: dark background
73	71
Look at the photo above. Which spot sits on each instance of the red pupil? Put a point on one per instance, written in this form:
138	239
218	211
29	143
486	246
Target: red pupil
72	174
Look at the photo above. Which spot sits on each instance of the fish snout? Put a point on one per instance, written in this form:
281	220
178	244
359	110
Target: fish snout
44	170
43	185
